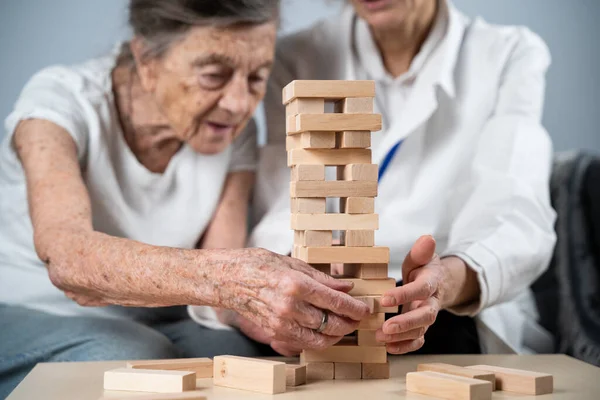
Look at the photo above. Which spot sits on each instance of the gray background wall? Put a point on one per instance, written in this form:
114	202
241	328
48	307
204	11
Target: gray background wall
36	33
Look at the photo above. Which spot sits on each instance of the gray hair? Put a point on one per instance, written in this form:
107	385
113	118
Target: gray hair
160	23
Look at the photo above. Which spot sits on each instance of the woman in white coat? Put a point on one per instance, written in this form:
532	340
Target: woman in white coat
463	157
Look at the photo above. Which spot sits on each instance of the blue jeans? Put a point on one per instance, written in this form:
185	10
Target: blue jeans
28	337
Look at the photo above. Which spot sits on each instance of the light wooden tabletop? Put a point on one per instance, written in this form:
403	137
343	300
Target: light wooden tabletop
573	379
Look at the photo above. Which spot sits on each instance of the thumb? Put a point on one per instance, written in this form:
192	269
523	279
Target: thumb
420	254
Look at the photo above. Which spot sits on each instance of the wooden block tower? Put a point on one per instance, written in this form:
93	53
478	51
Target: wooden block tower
315	140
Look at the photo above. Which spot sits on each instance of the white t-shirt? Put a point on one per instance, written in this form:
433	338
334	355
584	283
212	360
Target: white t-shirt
169	209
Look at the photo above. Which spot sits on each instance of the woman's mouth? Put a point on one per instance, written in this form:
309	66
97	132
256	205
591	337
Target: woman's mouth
219	129
375	5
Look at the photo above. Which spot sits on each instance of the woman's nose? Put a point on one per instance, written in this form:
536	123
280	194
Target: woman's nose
236	98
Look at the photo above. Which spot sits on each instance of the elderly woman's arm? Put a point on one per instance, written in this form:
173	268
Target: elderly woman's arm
282	294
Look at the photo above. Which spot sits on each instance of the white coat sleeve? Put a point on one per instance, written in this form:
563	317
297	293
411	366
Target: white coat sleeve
271	200
503	219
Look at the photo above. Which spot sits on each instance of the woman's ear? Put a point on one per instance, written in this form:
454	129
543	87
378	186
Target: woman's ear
146	66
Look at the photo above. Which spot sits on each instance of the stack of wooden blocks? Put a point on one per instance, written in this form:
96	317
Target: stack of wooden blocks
341	139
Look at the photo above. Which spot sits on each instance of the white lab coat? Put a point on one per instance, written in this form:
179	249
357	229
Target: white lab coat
473	169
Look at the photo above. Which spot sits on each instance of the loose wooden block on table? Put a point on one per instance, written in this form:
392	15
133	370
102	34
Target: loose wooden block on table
368	337
344	370
365	271
357	238
203	367
372	322
357	205
448	386
295	374
376	301
319	189
305	106
311	140
308	172
149	380
518	380
319	371
330	157
333	123
308	205
358	172
339	254
322	222
344	353
353	140
359	105
370	287
327	89
313	238
249	374
459	371
376	371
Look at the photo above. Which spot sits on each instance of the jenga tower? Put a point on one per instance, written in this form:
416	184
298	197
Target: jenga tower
341	139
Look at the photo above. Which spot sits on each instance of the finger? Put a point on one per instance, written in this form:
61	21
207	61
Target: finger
425	315
327	280
405	346
338	303
420	289
284	349
420	254
300	337
400	337
311	317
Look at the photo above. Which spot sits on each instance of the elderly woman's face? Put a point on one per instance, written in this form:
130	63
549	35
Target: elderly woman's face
387	14
208	84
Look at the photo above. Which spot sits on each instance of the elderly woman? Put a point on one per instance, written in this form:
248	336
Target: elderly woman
462	155
123	181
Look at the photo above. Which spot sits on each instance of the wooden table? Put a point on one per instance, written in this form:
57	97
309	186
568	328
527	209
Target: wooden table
573	379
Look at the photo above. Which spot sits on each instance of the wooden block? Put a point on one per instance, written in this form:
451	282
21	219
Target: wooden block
203	367
318	140
313	238
448	386
149	380
339	254
377	307
376	371
358	238
357	205
333	123
359	105
358	172
324	268
251	374
308	172
518	380
295	374
343	370
371	287
350	354
319	371
368	338
322	222
308	205
353	140
459	371
327	89
194	395
366	271
332	189
372	322
329	156
369	301
305	106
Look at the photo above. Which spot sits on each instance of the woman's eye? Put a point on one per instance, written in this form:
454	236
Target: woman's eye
212	80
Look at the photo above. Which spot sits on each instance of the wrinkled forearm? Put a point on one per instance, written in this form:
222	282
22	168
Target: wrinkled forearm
120	271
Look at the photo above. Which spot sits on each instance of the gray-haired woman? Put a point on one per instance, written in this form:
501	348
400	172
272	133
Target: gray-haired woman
122	183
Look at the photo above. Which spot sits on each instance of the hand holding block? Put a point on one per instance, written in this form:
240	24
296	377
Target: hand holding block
146	380
203	367
448	386
459	371
518	380
249	374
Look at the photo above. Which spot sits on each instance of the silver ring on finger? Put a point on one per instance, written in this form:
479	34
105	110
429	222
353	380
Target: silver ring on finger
324	321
